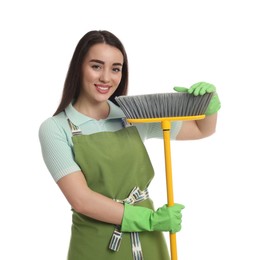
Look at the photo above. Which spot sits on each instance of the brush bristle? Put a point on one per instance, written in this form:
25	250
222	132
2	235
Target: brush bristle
163	105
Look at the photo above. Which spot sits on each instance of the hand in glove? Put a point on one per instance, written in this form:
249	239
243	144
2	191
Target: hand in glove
202	88
138	219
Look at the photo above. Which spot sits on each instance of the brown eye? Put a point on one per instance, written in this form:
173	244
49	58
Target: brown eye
116	69
96	67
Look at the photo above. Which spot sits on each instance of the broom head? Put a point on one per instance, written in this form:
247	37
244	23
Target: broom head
163	105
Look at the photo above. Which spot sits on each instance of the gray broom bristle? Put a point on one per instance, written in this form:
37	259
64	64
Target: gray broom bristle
163	105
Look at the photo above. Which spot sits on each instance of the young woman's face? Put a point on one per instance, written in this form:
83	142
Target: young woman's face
102	72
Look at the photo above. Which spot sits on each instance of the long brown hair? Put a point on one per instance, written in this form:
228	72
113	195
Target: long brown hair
73	79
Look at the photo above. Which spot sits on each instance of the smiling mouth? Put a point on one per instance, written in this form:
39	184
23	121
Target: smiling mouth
102	88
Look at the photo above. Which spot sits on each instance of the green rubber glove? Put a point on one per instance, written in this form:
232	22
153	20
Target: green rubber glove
202	88
137	219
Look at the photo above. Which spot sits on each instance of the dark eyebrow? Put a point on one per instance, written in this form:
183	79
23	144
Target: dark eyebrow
102	62
117	64
98	61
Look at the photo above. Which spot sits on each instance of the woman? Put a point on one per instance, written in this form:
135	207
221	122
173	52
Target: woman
100	163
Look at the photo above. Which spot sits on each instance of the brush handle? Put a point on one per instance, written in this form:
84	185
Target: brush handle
166	127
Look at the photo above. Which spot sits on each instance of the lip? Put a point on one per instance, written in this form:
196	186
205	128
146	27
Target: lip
102	88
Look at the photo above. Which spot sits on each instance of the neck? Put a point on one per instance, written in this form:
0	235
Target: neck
97	111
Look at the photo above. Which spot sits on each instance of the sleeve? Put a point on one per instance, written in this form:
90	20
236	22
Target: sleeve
56	150
154	130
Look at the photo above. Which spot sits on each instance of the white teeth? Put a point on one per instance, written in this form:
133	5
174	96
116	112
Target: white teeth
102	88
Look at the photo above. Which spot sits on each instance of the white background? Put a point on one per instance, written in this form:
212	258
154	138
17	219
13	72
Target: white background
168	43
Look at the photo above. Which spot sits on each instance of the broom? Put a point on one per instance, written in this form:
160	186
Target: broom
165	108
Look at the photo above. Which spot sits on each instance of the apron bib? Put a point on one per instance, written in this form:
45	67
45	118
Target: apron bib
113	163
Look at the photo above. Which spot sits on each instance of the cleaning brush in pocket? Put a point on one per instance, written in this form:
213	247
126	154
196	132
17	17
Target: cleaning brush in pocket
165	108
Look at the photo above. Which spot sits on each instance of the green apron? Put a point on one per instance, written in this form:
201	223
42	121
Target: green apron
113	163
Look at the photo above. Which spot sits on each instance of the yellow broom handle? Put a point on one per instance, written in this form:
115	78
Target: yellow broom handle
166	126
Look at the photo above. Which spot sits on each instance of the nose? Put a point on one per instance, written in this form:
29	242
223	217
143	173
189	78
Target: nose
105	76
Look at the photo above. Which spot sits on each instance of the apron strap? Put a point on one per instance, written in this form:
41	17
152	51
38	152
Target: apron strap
125	123
135	196
74	129
77	131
